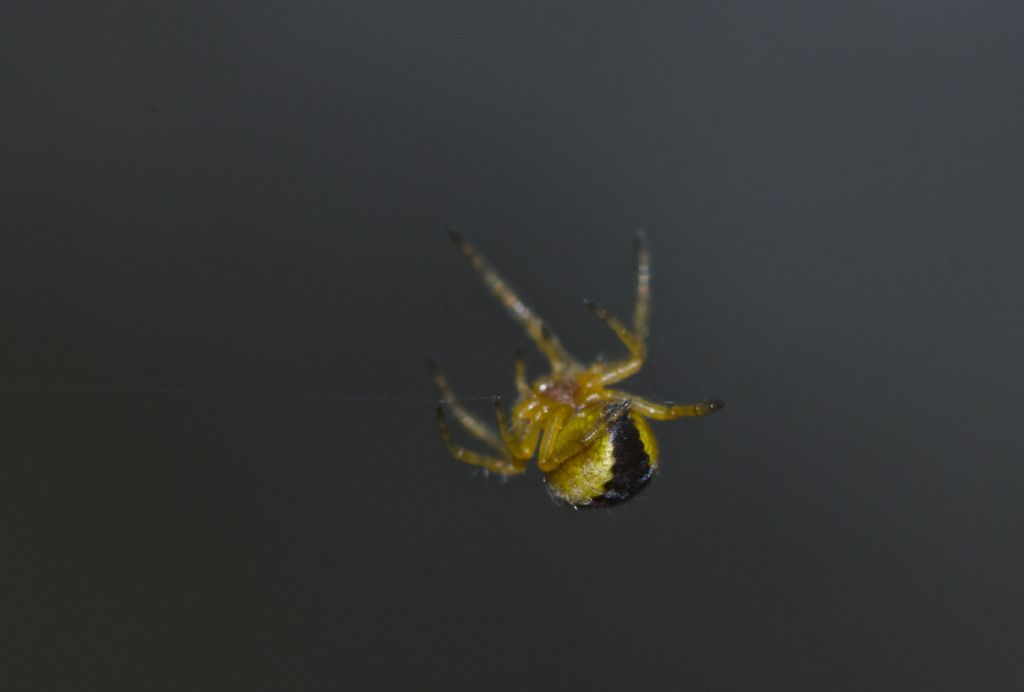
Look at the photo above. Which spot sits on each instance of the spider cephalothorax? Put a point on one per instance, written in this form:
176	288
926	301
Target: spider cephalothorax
595	446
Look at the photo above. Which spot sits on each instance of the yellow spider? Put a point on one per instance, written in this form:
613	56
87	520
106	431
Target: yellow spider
596	447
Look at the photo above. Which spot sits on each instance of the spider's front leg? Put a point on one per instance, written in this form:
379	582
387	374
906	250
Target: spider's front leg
538	331
635	341
642	307
616	372
505	467
473	425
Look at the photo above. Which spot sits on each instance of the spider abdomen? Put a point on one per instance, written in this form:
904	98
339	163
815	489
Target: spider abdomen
614	467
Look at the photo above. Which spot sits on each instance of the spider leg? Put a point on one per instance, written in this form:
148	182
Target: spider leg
545	340
504	467
546	460
522	386
649	409
521	448
620	370
635	341
476	427
642	308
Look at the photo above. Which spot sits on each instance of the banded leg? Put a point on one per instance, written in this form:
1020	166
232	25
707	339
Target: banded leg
662	412
545	340
473	425
504	467
615	372
642	308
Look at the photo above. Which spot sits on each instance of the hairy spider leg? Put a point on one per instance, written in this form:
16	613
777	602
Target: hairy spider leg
522	385
654	411
546	460
609	373
473	425
504	467
642	308
635	341
539	332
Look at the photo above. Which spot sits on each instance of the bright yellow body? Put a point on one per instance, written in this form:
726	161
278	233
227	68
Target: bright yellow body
592	443
583	477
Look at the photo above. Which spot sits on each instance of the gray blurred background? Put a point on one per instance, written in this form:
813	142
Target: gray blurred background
223	265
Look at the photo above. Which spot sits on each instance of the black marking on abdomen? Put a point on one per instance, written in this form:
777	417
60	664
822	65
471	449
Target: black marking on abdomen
632	470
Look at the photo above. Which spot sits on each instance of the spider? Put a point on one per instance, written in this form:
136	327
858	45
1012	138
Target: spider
596	448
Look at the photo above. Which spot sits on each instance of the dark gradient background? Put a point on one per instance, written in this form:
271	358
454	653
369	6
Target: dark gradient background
223	265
